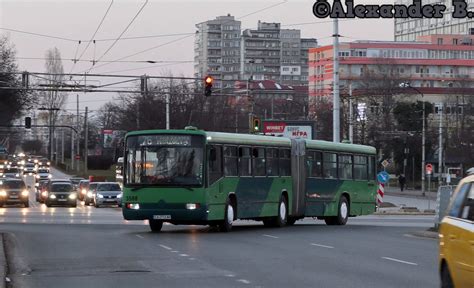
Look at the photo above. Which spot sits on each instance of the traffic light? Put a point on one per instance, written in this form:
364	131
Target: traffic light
208	86
28	122
255	125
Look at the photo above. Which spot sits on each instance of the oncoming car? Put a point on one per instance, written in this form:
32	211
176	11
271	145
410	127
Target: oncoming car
61	193
13	191
107	193
456	238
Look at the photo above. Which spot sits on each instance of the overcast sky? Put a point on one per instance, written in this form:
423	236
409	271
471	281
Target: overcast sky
77	20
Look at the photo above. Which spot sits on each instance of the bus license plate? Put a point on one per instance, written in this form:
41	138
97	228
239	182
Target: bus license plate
161	217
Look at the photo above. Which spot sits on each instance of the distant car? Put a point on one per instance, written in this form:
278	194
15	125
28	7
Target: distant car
12	172
107	193
61	193
75	182
82	189
45	191
456	238
13	191
29	169
90	194
43	174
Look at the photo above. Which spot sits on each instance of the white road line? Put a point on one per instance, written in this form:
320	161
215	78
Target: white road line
270	236
166	247
323	246
183	255
192	258
174	251
399	261
243	281
139	236
230	275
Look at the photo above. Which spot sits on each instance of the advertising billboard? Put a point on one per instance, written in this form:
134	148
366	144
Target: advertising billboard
289	129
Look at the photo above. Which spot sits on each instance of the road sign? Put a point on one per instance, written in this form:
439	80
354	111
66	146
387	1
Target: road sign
383	177
385	163
78	157
429	168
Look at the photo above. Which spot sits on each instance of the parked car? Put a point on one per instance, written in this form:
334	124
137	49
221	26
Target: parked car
13	191
61	193
107	193
456	238
82	189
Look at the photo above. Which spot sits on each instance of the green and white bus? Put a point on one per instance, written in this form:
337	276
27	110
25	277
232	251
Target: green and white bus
197	177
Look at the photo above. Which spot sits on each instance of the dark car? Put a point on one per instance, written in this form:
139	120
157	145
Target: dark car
13	191
44	191
61	193
90	194
12	172
41	186
83	189
75	182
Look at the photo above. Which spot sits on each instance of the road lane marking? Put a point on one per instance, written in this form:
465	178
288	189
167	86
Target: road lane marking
243	281
139	236
400	261
183	255
270	236
230	275
192	258
166	247
174	251
323	246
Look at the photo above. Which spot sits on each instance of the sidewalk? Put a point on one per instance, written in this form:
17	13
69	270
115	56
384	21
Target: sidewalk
395	191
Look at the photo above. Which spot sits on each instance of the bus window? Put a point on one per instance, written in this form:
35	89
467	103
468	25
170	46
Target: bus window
345	166
272	161
360	167
285	162
371	167
245	161
330	165
258	161
315	164
230	161
215	163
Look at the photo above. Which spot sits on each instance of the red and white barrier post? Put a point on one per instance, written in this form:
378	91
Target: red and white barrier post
380	192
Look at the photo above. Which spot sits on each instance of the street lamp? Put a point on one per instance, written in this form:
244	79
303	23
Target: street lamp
423	139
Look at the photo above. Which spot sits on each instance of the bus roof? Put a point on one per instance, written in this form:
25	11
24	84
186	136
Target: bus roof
250	139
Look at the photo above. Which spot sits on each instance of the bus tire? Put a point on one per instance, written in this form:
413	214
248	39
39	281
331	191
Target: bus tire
155	225
282	217
229	216
342	211
291	221
446	280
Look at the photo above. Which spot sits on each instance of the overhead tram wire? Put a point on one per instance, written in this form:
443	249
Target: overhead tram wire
182	38
39	34
92	38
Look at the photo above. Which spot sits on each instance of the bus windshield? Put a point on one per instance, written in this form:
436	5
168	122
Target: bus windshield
165	160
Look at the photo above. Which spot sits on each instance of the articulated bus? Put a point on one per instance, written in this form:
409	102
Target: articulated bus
210	178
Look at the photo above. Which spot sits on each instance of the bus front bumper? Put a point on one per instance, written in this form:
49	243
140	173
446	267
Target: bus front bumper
174	216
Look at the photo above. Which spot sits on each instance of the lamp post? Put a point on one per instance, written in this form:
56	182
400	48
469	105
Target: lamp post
423	139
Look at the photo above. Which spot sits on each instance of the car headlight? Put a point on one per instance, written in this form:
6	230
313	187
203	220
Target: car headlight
38	176
52	196
44	193
90	195
3	193
119	195
84	191
48	163
50	176
17	175
25	193
37	184
24	169
72	196
100	196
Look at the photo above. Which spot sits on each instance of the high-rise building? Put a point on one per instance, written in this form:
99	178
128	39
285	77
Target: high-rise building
272	53
408	29
266	53
217	50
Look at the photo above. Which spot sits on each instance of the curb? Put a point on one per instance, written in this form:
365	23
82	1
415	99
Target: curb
3	263
402	213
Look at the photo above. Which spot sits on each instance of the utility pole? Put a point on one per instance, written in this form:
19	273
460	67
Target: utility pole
423	152
336	100
168	106
62	146
351	116
440	150
72	151
78	141
86	132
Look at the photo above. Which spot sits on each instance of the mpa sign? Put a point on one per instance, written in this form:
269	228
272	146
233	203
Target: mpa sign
429	169
288	130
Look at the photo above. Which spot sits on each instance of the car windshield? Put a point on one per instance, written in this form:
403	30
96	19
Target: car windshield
92	186
11	170
13	185
61	187
165	160
108	187
43	171
75	180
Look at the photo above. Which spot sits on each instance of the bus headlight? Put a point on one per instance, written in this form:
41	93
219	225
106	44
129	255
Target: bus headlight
134	206
192	206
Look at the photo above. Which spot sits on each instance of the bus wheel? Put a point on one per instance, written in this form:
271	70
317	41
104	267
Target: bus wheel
342	213
229	216
282	218
446	280
291	221
155	225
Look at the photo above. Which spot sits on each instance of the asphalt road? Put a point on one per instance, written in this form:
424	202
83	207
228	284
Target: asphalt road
90	247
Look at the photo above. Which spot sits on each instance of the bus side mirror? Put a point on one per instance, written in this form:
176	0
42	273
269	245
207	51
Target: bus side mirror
212	154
